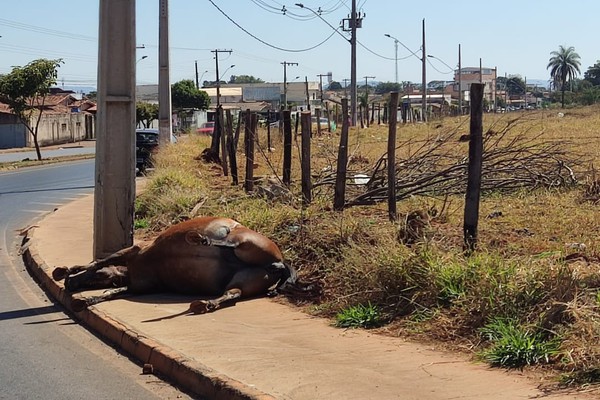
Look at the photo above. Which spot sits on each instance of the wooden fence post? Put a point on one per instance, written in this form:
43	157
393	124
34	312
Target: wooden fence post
305	162
391	157
474	169
339	196
287	148
318	118
249	150
222	140
231	148
268	131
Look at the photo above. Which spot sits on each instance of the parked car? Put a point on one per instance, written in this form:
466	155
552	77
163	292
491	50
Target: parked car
146	142
207	128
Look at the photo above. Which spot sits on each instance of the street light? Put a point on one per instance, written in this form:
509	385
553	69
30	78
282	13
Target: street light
202	76
440	60
396	41
143	58
219	85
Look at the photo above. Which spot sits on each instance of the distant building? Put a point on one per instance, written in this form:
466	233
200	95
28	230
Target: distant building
469	75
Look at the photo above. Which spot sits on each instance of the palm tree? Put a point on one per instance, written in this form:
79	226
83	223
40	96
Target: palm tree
564	66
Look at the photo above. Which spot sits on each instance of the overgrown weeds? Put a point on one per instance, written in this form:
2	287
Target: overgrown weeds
530	293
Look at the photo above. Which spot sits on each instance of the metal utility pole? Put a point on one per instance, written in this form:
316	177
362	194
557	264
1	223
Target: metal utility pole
285	64
114	191
217	51
197	80
424	80
165	124
396	41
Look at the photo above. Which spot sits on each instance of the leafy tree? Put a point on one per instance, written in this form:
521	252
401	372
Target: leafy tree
592	75
184	94
590	96
24	89
244	79
515	85
145	113
564	66
386	87
335	86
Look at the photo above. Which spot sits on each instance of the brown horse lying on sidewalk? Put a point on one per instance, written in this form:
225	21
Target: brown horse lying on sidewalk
205	256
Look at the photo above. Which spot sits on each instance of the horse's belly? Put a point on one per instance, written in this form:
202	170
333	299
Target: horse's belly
203	271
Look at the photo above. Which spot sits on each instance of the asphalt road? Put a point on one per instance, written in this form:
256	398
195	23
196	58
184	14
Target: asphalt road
45	355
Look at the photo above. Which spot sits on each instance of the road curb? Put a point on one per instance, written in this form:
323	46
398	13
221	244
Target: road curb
190	374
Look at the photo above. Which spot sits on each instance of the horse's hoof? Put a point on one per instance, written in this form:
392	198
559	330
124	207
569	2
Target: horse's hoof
60	273
202	306
78	305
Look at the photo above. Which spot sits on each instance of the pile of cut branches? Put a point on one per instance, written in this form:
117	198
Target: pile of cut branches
438	166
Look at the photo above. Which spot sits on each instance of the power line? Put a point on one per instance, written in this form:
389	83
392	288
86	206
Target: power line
264	42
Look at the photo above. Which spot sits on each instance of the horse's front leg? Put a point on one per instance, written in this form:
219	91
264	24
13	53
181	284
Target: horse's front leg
78	276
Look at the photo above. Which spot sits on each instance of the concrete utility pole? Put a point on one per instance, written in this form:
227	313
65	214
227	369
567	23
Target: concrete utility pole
424	80
367	85
354	22
285	64
114	192
321	85
165	123
353	95
217	51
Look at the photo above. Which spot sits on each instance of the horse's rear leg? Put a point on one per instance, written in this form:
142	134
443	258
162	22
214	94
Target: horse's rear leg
81	303
249	282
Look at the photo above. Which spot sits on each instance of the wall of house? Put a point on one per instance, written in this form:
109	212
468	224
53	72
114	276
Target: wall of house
12	136
60	128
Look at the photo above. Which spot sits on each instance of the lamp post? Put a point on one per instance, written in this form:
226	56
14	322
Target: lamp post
219	84
396	41
143	58
202	76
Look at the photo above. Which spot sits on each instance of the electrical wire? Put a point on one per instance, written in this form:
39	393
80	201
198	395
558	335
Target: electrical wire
266	43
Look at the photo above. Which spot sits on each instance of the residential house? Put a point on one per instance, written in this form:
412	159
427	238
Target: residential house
65	119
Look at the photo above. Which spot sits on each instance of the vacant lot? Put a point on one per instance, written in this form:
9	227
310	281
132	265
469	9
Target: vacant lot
529	295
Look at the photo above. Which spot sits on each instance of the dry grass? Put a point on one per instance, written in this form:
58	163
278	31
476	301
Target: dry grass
537	259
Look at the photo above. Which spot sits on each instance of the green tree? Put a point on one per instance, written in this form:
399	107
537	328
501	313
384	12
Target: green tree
564	66
515	85
184	94
386	87
145	113
244	79
24	89
335	86
592	75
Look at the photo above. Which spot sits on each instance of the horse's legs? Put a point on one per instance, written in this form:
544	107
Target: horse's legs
75	277
249	282
81	303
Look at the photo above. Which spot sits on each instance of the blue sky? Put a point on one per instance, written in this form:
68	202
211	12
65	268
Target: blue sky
514	36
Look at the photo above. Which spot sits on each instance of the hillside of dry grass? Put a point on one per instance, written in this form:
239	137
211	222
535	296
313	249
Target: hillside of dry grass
530	294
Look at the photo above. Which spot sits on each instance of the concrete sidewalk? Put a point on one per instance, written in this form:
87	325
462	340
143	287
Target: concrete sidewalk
260	349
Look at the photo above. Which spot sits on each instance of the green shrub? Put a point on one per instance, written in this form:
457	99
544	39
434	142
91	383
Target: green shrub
359	316
514	346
